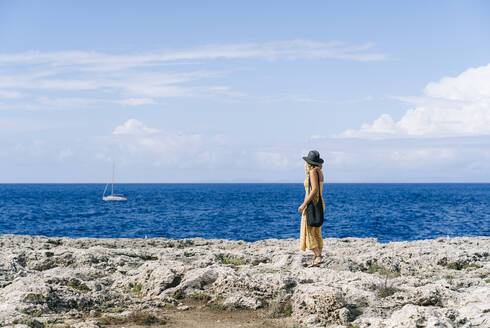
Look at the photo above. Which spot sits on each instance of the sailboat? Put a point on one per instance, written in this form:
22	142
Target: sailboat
113	196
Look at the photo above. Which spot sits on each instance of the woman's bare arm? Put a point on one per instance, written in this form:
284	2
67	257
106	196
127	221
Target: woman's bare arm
313	191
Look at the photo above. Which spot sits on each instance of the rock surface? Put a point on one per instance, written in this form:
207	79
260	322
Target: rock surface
428	283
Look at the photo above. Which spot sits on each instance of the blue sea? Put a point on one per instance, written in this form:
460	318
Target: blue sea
250	212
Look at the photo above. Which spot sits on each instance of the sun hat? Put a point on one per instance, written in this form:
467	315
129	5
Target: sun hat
313	158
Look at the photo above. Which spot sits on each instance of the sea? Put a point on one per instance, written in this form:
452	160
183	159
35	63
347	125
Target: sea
248	211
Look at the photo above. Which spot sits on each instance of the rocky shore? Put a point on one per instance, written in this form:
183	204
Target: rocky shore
88	282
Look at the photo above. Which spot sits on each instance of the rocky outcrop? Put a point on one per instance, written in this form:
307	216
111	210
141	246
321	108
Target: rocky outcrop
429	283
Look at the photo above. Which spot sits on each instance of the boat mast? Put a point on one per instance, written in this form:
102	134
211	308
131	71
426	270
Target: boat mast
105	189
113	169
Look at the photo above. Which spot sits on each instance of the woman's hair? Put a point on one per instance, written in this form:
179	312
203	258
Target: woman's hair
309	167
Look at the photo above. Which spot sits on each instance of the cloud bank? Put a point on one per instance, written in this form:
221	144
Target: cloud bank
453	106
135	143
145	152
145	79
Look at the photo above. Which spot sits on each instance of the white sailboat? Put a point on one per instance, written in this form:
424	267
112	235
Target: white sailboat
113	196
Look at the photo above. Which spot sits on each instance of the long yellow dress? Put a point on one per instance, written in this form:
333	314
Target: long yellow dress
310	237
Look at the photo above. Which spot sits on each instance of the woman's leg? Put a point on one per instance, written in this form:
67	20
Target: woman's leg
317	251
314	237
319	242
318	255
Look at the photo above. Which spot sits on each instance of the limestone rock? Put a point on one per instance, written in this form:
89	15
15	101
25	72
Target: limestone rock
319	304
429	283
413	316
87	324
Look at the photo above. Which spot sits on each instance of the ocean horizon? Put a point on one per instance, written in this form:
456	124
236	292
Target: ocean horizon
243	182
245	211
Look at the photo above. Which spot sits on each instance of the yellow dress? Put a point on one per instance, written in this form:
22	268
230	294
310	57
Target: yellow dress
310	237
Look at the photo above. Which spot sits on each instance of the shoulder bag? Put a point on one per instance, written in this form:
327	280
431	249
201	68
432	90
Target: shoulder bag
314	212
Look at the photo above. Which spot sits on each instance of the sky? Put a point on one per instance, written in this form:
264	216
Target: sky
228	91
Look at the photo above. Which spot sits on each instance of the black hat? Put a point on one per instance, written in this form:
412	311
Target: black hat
313	158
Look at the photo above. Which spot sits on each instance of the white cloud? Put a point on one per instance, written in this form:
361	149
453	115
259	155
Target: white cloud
301	98
456	159
382	127
421	155
473	85
132	87
454	106
104	157
135	143
142	79
168	156
272	160
10	94
62	103
138	101
291	49
26	149
30	107
133	127
340	158
127	81
65	153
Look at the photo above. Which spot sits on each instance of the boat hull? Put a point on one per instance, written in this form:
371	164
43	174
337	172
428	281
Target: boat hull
114	198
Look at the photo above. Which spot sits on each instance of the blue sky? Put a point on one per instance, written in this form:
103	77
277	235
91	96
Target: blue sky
222	91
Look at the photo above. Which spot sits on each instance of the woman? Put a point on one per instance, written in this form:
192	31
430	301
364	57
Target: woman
311	237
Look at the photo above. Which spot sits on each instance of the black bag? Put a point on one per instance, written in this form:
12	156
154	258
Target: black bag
314	212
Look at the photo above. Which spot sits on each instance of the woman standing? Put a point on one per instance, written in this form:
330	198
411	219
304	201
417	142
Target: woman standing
311	237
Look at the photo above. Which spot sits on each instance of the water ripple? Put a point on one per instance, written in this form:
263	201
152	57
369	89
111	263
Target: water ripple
389	212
